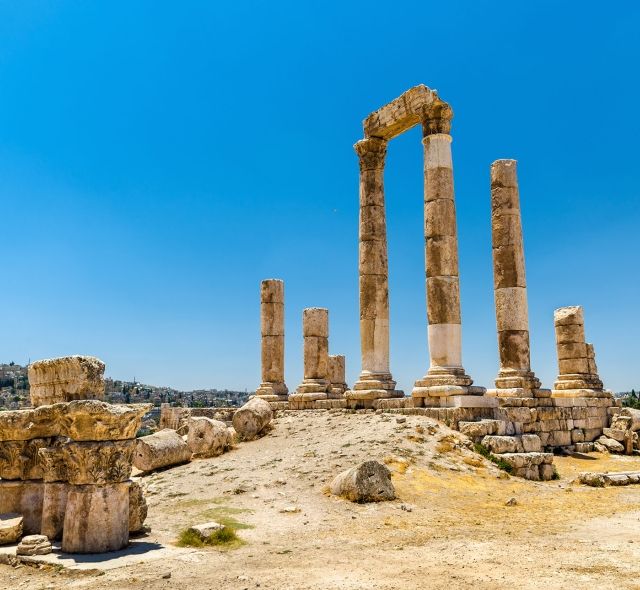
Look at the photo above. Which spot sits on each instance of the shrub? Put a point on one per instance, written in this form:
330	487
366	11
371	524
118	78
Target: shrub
487	454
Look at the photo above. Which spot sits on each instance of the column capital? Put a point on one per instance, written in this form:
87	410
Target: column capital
437	119
371	152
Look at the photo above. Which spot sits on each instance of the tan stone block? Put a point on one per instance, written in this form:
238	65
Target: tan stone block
513	348
82	463
511	309
442	256
505	200
316	357
315	322
440	218
272	319
65	379
508	266
504	173
373	225
272	354
506	229
96	518
438	183
445	345
569	333
372	257
374	343
161	449
25	498
566	316
372	188
272	291
11	525
575	365
137	508
20	459
54	505
371	153
207	437
374	297
93	420
571	350
437	151
443	300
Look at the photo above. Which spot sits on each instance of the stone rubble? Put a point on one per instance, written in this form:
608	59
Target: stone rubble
34	545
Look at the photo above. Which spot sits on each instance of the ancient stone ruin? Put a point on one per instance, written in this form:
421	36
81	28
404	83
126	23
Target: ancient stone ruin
65	464
518	419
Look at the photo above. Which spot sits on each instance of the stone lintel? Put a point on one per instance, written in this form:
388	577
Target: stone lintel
408	110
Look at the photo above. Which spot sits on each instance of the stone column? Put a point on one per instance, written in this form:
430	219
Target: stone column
273	387
375	378
578	375
446	375
337	375
315	331
515	377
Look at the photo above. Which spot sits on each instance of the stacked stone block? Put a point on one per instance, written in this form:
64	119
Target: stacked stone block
515	377
446	376
337	378
65	466
315	384
273	387
578	374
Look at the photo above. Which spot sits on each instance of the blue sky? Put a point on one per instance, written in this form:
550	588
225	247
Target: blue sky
158	159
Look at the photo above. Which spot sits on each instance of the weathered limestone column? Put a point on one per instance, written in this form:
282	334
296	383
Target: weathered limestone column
315	330
446	376
578	376
273	387
337	375
375	378
515	377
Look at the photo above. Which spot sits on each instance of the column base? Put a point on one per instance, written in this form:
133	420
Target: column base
578	381
314	386
445	382
521	392
272	391
584	392
336	391
518	379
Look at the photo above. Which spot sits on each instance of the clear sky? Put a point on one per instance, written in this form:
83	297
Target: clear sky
158	159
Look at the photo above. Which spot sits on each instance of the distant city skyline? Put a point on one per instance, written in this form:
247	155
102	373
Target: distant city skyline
156	164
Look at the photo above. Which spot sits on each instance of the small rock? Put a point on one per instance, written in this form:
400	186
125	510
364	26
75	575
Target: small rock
290	510
207	529
511	502
401	420
166	576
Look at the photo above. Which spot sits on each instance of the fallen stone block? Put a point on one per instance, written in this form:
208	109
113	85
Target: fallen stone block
161	449
634	415
368	482
612	446
614	433
207	437
206	530
10	527
252	419
503	444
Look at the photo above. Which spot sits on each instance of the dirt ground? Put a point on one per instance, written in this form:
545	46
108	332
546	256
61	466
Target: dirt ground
451	526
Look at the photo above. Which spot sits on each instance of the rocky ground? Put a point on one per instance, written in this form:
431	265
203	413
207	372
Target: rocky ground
458	521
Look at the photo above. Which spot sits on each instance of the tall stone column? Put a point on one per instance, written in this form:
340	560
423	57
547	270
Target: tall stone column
337	375
315	331
273	387
446	376
375	379
515	377
578	375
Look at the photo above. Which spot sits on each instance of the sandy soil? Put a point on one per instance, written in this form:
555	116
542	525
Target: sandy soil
450	527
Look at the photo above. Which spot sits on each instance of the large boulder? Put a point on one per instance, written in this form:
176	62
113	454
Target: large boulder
161	449
368	482
612	446
207	437
65	379
252	418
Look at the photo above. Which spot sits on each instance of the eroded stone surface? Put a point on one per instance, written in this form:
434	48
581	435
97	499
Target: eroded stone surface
65	379
161	449
208	438
252	419
368	482
34	545
10	527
